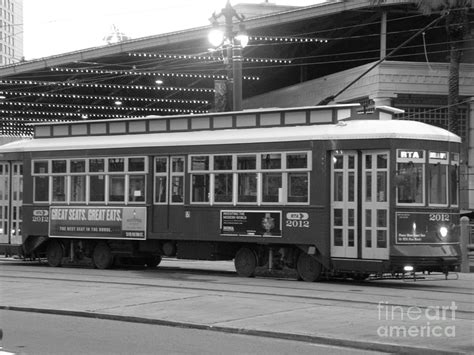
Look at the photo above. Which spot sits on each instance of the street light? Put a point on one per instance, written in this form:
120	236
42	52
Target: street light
232	42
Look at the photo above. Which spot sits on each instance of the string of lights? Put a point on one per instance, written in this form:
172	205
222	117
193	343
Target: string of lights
208	58
15	120
146	73
85	107
82	115
61	114
108	86
101	97
287	39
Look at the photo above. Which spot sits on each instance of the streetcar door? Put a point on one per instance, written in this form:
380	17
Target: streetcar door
4	202
375	203
344	204
11	196
168	211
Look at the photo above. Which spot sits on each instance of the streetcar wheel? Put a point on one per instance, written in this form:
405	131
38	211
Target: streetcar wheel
360	277
102	256
308	269
245	262
55	253
153	261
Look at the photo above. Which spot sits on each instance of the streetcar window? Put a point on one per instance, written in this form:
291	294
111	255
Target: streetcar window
298	187
96	165
410	183
177	189
200	183
136	164
223	187
381	239
161	180
78	182
59	166
95	180
4	189
454	180
382	186
338	186
172	181
177	165
160	189
78	166
271	186
223	162
117	188
97	188
257	178
437	184
247	187
246	162
40	167
59	183
296	161
271	161
41	188
116	164
438	178
177	180
199	163
351	182
136	188
78	188
200	188
59	188
161	165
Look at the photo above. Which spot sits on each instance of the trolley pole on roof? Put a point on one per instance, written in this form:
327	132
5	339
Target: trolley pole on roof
231	44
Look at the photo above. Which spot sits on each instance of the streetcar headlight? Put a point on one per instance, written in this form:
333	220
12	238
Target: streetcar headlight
408	268
443	231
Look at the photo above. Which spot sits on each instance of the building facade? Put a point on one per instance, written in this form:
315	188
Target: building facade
11	31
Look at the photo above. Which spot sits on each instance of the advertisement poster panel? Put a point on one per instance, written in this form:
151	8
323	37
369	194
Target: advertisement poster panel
98	222
251	223
426	228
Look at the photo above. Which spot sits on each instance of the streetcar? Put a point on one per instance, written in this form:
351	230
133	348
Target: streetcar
321	190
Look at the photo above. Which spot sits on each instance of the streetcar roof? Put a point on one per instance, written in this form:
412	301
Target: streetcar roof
344	130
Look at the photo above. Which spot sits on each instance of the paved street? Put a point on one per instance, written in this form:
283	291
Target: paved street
433	315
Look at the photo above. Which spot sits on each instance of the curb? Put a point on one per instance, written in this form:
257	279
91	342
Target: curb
374	346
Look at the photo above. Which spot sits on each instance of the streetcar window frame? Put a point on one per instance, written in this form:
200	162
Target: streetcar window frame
251	168
438	166
453	180
416	161
61	170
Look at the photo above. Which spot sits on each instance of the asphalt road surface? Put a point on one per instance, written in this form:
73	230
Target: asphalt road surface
50	334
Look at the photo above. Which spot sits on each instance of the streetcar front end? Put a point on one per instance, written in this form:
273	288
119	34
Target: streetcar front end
427	229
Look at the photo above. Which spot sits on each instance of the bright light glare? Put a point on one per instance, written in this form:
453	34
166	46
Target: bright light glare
243	39
216	37
408	268
443	231
159	82
118	102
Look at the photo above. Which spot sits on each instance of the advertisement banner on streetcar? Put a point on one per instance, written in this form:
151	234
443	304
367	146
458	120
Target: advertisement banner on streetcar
98	222
251	223
426	228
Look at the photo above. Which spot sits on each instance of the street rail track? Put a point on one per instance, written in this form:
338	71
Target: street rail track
189	278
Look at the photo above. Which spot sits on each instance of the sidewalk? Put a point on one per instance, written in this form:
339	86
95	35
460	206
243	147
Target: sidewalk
328	321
